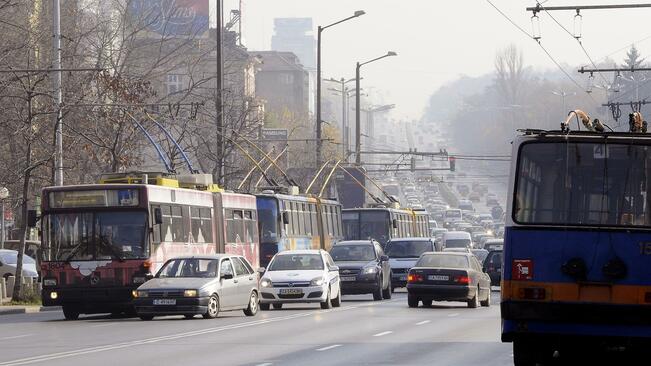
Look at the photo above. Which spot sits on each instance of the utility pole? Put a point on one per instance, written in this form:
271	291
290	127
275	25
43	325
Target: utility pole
58	95
219	103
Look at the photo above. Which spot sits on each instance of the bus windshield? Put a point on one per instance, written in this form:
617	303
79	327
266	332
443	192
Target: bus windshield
96	235
364	225
268	219
583	184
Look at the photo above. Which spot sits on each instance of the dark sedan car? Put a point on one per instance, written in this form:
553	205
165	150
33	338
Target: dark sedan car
363	268
202	285
448	276
493	266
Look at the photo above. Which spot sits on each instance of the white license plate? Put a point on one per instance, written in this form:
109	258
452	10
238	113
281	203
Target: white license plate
164	301
348	278
291	291
438	278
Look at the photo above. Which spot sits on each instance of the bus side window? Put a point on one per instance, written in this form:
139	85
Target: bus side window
307	219
338	221
314	219
166	227
300	218
179	234
156	228
249	226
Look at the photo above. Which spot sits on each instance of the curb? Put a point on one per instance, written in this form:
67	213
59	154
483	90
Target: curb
28	310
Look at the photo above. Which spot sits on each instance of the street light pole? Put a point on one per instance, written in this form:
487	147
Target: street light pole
320	29
358	132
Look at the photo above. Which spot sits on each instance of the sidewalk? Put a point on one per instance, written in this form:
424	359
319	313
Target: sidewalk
24	309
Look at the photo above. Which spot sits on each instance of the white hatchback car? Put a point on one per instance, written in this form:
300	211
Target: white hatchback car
300	276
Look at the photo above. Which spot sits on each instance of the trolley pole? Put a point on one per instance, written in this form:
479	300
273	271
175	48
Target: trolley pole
56	65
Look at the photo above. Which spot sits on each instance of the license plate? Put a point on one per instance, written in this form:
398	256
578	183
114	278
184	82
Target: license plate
291	291
403	278
164	301
348	278
438	278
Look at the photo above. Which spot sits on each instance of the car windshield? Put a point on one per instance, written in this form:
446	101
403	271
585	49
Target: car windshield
494	258
189	267
296	262
352	253
457	243
408	249
443	261
12	258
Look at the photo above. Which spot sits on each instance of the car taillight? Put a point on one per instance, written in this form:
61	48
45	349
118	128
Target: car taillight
532	293
414	277
464	280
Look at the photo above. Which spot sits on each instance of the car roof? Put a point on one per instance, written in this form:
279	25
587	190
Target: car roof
354	242
205	256
300	251
411	239
465	254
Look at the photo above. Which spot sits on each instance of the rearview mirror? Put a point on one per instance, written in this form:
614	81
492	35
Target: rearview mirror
285	217
384	258
334	269
32	218
158	216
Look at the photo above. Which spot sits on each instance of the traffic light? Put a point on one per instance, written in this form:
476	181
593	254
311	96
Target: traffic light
453	162
413	164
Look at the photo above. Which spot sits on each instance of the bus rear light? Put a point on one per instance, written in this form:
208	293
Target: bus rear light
532	293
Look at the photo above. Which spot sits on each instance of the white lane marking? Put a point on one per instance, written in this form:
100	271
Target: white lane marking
102	325
109	347
329	347
453	315
382	334
265	364
15	337
423	322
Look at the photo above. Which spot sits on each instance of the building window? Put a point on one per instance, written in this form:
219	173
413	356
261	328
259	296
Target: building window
287	78
174	83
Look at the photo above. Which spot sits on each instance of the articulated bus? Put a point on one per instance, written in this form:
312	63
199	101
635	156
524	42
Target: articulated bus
383	223
577	248
101	241
296	222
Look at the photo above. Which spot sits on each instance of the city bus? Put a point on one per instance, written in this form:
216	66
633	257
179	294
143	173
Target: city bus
577	245
384	223
296	222
101	241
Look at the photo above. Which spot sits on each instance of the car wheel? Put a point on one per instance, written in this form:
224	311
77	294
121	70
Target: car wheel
146	317
427	303
386	293
327	304
377	294
213	308
70	313
278	306
336	302
474	302
487	303
412	301
264	306
252	309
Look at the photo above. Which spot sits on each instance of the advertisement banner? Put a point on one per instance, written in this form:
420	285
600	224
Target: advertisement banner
172	18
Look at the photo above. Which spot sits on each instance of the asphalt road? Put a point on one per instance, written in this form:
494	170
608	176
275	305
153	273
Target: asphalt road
361	332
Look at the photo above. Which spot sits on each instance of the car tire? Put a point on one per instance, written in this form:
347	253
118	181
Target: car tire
412	301
213	308
487	303
474	302
278	306
336	302
386	293
146	317
252	308
377	294
264	306
188	316
70	313
327	304
427	303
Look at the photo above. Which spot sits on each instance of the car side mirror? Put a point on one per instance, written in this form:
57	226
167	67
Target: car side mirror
262	270
334	269
285	217
483	269
384	258
32	218
148	276
158	216
227	276
394	223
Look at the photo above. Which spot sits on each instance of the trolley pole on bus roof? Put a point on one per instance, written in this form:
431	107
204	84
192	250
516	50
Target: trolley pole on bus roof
219	103
58	95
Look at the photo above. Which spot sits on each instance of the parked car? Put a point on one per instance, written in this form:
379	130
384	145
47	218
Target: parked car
363	268
448	277
8	263
456	239
403	254
206	285
301	276
493	266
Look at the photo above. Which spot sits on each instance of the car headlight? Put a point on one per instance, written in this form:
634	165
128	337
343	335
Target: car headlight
370	270
318	281
190	293
265	282
141	293
49	282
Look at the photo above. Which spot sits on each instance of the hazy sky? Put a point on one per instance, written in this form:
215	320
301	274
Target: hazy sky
437	41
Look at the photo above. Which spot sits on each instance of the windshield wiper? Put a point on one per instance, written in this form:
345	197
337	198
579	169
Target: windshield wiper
73	253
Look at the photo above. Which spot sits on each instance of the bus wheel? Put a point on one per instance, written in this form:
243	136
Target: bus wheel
524	353
70	313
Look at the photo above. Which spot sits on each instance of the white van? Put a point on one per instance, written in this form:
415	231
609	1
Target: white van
457	239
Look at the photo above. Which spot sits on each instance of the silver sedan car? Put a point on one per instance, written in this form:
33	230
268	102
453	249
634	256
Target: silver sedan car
300	276
203	285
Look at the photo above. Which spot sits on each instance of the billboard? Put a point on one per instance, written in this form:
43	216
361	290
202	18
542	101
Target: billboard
276	139
172	18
